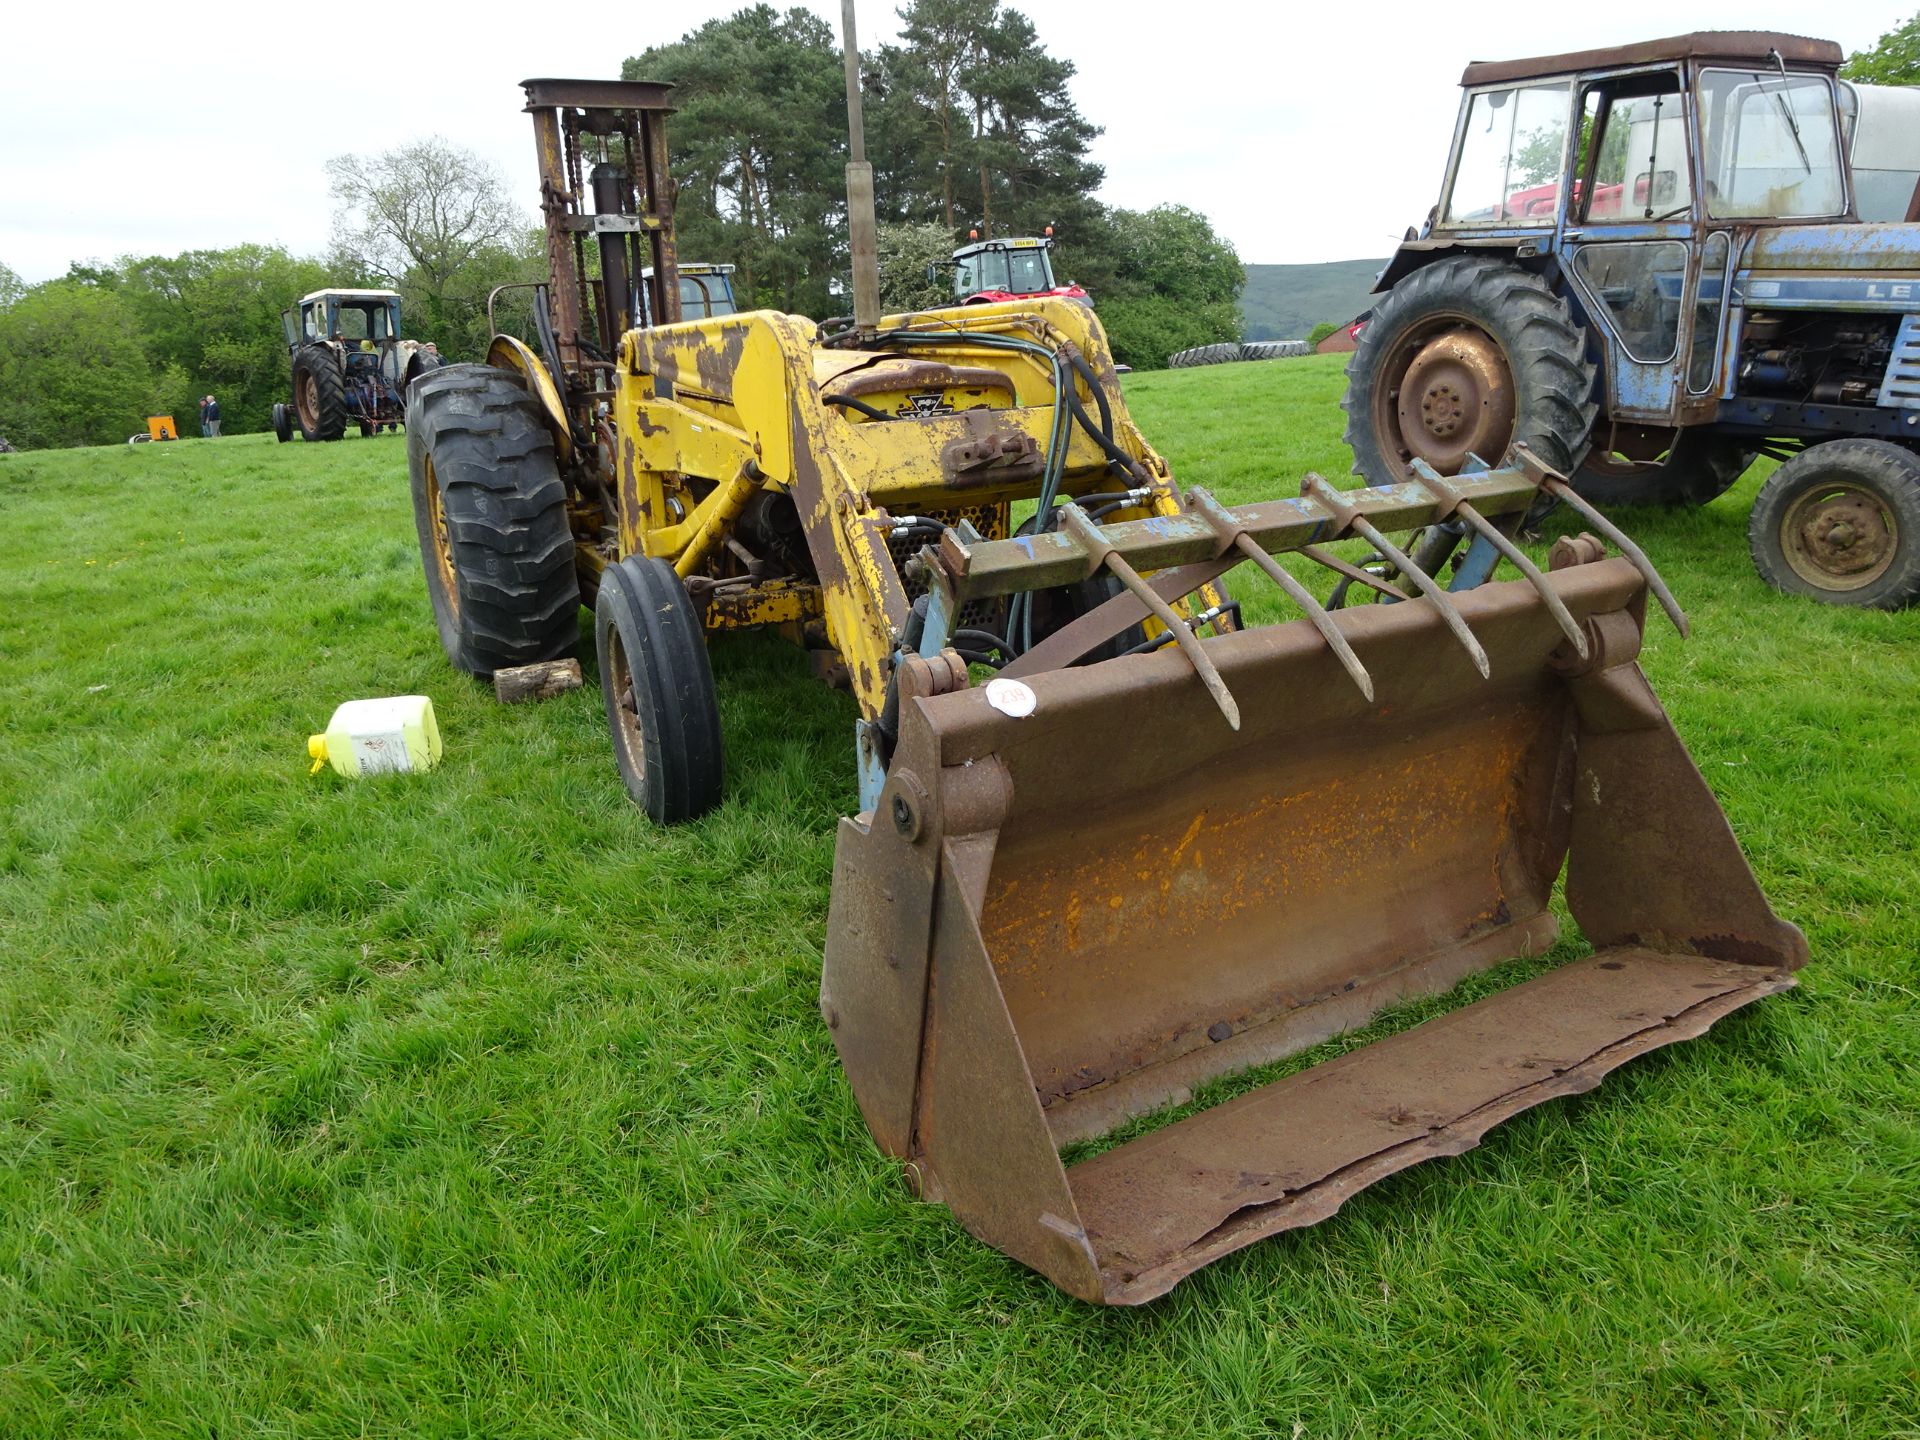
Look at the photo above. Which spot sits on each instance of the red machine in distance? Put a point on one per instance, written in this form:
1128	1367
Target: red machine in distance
986	272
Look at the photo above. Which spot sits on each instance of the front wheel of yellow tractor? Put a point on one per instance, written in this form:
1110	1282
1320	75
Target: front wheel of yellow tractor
658	688
491	511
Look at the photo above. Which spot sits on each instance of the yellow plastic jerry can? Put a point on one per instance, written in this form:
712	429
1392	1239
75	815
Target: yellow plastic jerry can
392	735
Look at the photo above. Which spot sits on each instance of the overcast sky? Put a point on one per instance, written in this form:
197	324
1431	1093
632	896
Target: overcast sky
1310	132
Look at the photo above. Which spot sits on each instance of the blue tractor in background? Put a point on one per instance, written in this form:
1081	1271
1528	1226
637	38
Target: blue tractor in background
350	364
1649	265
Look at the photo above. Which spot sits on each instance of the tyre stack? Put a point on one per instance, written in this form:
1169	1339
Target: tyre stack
1227	353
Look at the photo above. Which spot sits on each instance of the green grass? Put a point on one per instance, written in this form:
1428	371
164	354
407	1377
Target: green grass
469	1104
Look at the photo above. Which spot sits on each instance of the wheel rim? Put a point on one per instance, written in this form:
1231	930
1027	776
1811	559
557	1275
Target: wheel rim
442	540
626	709
1839	537
1448	394
306	400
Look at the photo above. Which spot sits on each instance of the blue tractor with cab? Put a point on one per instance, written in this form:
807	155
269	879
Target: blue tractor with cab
1648	264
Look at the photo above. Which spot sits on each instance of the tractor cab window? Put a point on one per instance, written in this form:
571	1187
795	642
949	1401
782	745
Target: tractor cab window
1772	145
1028	272
705	296
1511	157
965	273
1639	171
1024	271
362	322
313	321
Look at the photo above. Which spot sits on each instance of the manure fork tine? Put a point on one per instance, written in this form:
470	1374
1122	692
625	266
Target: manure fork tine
1555	485
1353	521
1231	531
1077	523
1424	474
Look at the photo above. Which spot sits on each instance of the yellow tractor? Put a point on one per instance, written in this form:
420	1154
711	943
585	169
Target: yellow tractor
1109	843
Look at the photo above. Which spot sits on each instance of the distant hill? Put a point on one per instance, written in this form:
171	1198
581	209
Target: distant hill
1284	302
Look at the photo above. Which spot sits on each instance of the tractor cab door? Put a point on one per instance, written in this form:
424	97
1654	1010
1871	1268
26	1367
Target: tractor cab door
1632	245
291	325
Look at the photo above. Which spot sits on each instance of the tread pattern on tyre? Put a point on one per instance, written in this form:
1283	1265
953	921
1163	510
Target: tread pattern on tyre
506	512
1554	380
1227	353
1889	469
679	713
330	423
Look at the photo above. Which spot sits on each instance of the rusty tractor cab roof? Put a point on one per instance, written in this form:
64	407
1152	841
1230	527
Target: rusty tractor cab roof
1750	45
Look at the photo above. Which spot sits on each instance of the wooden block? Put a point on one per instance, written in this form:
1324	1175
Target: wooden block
536	682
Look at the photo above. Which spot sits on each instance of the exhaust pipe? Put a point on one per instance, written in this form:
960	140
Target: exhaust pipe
860	219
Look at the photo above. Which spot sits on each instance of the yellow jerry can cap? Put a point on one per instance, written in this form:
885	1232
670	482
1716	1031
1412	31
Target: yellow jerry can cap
317	748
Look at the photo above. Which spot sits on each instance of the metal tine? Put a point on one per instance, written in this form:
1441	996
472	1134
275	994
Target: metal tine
1317	487
1353	572
1551	482
1434	481
1077	522
1576	636
1402	562
1222	520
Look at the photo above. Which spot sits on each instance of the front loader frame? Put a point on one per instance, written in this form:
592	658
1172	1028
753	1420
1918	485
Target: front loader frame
1070	895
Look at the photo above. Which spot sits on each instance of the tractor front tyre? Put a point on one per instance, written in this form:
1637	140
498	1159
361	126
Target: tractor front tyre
1468	356
491	512
658	687
1698	468
319	394
1840	522
282	423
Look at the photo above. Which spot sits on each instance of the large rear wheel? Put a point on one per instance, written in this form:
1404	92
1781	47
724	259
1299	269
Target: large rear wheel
658	689
1840	522
491	512
1468	356
319	394
1684	468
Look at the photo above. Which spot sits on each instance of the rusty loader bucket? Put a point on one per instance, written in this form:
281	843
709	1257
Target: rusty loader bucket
1085	892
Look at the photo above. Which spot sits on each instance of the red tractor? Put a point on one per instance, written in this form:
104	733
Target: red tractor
988	271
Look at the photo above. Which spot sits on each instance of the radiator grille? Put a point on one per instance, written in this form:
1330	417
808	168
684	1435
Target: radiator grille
1901	390
991	522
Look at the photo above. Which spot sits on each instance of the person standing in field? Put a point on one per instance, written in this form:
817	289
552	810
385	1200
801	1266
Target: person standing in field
212	414
205	400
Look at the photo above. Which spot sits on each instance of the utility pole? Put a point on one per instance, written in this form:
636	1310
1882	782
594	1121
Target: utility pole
860	220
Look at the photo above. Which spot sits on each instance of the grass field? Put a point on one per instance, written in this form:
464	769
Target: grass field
469	1104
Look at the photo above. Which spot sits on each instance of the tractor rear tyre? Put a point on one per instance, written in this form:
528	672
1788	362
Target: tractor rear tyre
1468	355
1840	522
658	689
421	366
282	423
1700	467
491	512
319	394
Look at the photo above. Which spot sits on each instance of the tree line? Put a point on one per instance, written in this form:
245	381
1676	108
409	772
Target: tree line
970	124
972	128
